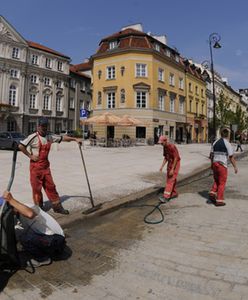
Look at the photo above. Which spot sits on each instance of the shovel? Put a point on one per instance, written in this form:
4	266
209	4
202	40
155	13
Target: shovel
94	207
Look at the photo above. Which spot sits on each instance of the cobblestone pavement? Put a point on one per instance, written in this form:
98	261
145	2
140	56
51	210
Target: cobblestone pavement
198	253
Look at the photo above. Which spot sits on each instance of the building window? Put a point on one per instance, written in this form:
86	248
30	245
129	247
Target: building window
181	83
190	87
111	72
15	52
12	95
172	79
32	127
71	103
172	104
168	53
190	105
161	74
141	99
203	109
59	84
47	81
123	96
58	103
11	125
72	83
157	47
99	73
196	108
202	93
196	90
60	66
141	70
113	45
32	101
99	98
48	63
111	99
161	101
181	106
14	73
46	102
177	58
33	79
34	59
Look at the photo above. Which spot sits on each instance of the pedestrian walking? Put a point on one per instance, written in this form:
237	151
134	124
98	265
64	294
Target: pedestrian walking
39	144
172	158
239	143
220	152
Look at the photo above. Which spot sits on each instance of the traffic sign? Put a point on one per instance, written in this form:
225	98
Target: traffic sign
83	114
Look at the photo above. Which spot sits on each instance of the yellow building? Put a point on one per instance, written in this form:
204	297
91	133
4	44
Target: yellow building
137	74
197	123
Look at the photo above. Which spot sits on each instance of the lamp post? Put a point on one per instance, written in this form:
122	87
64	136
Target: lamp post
213	40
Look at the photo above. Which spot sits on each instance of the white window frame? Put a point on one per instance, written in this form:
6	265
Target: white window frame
172	79
110	72
15	52
181	83
168	53
71	103
161	74
141	99
122	96
48	63
113	45
59	84
181	106
47	81
60	65
14	73
33	78
111	97
59	103
13	95
157	47
32	101
46	102
141	70
161	101
34	59
172	104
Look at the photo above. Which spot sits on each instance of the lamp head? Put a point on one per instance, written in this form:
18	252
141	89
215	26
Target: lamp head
217	45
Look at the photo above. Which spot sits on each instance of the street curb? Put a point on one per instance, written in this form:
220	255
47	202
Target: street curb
113	205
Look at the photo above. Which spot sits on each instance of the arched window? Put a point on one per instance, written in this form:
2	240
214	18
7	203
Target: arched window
12	95
123	96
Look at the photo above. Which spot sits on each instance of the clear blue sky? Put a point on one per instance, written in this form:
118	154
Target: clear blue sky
75	27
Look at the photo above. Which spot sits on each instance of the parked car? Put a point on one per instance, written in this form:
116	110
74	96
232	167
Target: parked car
8	139
68	132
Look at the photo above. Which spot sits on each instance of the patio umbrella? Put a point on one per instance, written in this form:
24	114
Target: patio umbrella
104	119
129	121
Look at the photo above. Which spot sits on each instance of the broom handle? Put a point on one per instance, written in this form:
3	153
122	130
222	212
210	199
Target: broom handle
91	198
13	167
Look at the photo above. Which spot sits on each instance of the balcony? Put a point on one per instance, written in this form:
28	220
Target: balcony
33	111
46	112
59	113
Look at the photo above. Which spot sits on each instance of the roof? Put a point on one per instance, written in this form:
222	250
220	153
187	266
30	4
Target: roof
72	70
131	38
46	49
82	67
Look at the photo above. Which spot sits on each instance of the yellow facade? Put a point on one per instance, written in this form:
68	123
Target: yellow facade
197	125
156	117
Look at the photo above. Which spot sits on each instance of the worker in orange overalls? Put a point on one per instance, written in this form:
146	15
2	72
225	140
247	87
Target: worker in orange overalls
221	151
172	158
40	174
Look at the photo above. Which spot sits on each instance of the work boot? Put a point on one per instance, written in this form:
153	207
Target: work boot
59	209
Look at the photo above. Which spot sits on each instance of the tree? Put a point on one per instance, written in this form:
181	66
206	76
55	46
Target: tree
224	115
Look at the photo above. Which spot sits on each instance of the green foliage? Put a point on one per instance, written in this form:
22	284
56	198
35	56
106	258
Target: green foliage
223	113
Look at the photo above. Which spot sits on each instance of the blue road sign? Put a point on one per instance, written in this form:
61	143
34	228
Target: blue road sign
83	114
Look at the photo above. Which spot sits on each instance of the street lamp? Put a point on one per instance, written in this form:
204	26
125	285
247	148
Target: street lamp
213	40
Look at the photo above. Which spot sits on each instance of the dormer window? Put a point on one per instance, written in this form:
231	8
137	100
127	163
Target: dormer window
113	45
177	58
168	53
157	47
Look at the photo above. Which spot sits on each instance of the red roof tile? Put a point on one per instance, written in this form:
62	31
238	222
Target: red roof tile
82	67
46	49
